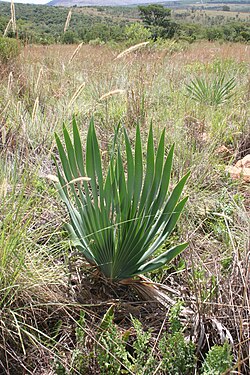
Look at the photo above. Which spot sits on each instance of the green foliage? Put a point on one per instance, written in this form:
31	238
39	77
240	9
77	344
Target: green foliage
12	251
137	33
119	221
231	32
155	15
174	318
45	24
80	355
9	49
178	355
119	352
69	37
144	361
157	18
111	351
205	285
211	92
218	360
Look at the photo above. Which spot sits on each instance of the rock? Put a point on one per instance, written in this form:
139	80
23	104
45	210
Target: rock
241	170
223	150
234	172
246	174
246	161
238	164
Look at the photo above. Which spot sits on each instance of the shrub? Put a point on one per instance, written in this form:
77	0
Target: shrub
137	33
218	360
69	37
9	49
178	355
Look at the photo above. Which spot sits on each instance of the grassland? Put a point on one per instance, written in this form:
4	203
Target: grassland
44	283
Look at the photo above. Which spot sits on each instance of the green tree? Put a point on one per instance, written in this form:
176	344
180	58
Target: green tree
158	19
155	15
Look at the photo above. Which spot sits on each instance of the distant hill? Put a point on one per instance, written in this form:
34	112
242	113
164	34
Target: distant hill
68	3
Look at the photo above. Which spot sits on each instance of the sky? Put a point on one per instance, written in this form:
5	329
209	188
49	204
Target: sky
30	1
34	1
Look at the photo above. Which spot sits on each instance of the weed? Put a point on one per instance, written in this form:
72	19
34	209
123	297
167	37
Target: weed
218	360
178	354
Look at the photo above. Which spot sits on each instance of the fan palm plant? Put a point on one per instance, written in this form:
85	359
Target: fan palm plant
214	92
118	220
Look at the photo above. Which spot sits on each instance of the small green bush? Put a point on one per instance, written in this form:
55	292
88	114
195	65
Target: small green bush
178	354
218	360
118	352
136	33
9	49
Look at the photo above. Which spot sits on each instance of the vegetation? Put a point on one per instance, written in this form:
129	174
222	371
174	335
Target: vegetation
9	49
45	24
61	314
218	360
131	214
211	93
111	350
158	19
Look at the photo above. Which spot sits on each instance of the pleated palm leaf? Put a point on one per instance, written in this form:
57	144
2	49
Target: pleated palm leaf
119	220
213	92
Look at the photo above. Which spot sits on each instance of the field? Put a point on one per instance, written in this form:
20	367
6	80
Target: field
52	303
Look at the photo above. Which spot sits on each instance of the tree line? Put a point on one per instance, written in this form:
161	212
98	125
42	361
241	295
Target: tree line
45	25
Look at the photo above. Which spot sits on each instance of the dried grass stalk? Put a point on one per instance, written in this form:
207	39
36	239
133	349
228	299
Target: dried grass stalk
76	94
54	178
4	188
7	27
111	93
38	78
131	49
76	51
35	108
5	108
13	16
66	26
10	83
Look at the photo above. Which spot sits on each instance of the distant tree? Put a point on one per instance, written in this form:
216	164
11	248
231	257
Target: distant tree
226	8
155	15
158	19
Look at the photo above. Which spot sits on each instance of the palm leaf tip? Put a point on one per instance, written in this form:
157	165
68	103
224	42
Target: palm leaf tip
119	219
